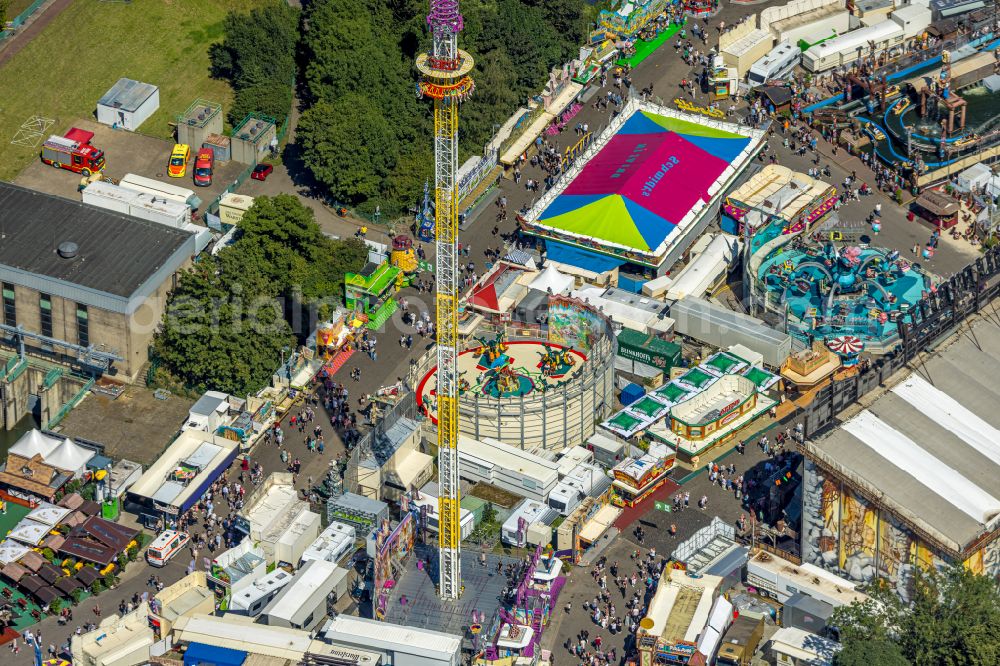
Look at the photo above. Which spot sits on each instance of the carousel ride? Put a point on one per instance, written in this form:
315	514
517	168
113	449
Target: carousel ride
499	369
827	290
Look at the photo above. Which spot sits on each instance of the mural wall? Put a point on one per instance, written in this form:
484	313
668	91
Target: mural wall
843	533
575	324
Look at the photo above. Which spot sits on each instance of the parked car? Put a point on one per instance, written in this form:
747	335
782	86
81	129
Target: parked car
261	171
179	157
204	163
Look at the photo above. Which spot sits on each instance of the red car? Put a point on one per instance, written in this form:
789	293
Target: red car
261	171
204	164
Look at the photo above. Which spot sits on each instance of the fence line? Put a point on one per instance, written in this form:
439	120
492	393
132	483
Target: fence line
20	19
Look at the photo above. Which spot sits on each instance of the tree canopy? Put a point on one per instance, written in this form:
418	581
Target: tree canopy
233	314
953	620
365	135
257	57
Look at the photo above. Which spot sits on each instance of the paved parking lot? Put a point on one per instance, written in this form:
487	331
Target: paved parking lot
126	152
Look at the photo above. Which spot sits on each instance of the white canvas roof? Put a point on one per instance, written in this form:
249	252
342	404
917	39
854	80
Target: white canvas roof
48	514
932	472
695	278
551	278
69	456
29	532
932	451
34	443
12	551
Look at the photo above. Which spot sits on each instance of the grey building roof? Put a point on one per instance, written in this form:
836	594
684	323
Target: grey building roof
116	255
934	458
127	94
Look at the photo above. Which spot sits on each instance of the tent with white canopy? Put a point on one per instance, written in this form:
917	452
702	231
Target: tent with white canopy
34	443
70	456
552	279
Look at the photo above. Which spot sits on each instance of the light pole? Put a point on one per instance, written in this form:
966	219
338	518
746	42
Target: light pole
288	370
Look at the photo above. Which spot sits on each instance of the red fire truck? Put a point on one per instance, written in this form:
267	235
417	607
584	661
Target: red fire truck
73	152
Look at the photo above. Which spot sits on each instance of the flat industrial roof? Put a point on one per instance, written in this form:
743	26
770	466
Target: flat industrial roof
127	94
411	640
116	253
496	453
240	633
930	446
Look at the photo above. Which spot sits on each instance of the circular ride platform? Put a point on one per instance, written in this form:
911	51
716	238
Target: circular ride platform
520	365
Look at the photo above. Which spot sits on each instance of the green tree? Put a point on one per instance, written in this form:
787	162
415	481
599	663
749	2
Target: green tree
871	653
349	146
365	135
4	8
270	99
230	318
257	57
953	618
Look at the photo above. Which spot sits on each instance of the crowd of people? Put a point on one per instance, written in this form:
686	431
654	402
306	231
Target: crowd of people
615	614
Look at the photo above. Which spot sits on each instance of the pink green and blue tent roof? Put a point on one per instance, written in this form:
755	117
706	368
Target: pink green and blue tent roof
643	181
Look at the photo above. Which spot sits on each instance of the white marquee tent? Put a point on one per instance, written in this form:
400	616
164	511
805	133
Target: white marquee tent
70	456
34	443
29	532
48	514
551	278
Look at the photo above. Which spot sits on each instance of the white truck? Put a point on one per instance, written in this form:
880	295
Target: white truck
777	64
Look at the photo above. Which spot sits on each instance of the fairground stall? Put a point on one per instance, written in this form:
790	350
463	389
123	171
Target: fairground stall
637	478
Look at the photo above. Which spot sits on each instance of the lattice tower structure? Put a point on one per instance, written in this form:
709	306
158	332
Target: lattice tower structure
444	77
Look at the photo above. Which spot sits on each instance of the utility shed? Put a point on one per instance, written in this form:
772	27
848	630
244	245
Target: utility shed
128	104
252	138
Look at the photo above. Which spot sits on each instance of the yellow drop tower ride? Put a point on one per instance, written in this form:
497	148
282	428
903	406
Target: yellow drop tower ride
444	73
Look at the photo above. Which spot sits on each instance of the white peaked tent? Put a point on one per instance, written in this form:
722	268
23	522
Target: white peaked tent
70	456
551	278
34	443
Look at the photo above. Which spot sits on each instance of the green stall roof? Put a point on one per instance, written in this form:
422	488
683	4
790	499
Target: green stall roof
648	349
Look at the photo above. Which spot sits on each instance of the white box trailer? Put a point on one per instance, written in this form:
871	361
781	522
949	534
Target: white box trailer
846	49
777	64
578	484
747	50
159	189
108	196
913	19
137	204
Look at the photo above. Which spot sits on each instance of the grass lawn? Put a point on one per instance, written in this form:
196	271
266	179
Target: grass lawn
64	71
9	520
